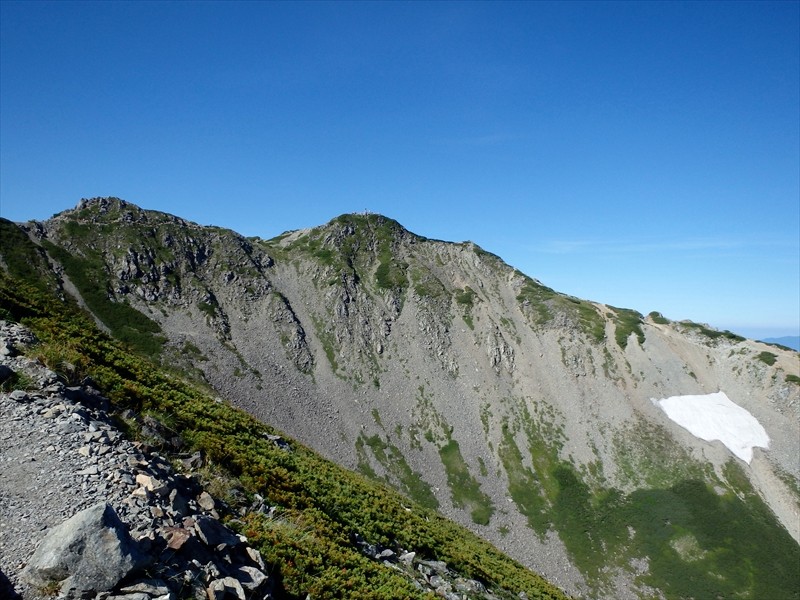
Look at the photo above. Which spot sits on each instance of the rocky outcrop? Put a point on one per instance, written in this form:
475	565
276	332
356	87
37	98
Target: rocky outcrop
292	334
500	353
432	576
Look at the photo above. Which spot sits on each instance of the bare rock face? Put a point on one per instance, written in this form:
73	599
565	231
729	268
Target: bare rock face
90	552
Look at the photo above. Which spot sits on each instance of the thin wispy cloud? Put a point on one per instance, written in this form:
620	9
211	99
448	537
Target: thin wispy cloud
587	246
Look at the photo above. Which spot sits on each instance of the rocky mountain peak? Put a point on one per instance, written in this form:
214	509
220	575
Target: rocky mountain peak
438	369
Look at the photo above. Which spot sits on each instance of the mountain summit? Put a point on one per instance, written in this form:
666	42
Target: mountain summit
530	416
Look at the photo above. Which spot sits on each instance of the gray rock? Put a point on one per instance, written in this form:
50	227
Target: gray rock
153	587
250	577
211	570
220	588
132	596
177	504
54	389
205	501
90	552
19	396
195	461
437	565
469	586
53	412
67	427
255	556
213	533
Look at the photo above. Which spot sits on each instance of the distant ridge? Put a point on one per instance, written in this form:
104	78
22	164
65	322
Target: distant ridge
790	341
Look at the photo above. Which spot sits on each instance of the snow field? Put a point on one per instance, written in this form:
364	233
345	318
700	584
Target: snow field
716	417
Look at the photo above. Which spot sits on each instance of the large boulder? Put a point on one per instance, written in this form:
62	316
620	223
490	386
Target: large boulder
90	552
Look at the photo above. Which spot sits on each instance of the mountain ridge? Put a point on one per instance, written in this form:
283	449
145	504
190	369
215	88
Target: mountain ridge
440	369
788	341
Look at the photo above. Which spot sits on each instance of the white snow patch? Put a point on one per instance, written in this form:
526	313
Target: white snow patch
716	417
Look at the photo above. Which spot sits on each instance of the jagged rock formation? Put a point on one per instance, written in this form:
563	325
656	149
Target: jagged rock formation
449	374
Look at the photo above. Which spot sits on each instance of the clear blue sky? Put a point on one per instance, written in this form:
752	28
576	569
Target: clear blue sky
644	154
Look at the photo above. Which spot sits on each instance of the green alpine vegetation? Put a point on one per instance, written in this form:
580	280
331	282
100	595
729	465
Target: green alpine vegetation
394	463
711	334
767	358
361	243
546	303
626	322
675	519
464	487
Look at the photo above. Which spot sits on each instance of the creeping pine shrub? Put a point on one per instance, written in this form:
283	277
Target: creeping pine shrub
63	357
17	381
767	358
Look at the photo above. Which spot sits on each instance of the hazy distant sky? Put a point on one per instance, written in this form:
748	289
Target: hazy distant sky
645	154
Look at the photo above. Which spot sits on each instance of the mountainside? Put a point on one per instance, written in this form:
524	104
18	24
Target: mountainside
520	412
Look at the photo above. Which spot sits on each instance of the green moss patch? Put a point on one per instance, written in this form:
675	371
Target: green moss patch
125	322
627	322
464	488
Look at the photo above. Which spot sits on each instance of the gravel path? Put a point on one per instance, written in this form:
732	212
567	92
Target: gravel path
55	460
60	453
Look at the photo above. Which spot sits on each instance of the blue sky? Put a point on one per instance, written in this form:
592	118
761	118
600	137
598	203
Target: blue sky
645	154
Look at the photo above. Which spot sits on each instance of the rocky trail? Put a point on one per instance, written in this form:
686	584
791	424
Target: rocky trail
69	478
